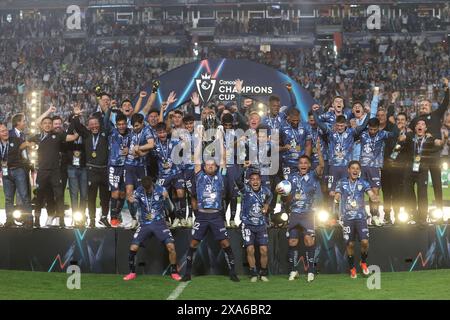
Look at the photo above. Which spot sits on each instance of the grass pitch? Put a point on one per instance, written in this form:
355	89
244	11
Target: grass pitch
420	285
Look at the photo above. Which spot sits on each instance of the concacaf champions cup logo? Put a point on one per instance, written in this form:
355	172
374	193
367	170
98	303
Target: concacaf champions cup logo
205	87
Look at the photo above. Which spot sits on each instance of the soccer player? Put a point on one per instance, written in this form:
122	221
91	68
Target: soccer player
372	159
305	194
141	141
336	109
255	205
340	145
295	141
350	194
209	188
150	201
233	169
169	172
118	142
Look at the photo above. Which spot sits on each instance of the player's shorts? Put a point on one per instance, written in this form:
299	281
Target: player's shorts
301	223
175	181
336	174
254	235
355	227
116	178
189	180
213	221
289	171
372	175
134	175
234	173
159	229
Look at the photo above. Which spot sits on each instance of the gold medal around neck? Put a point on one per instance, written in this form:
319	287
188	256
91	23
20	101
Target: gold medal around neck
94	154
417	159
150	216
353	203
298	148
166	165
76	153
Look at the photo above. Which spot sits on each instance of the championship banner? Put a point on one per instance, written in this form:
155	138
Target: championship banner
214	80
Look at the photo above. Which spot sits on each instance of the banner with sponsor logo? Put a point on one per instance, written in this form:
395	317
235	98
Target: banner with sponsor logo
214	80
306	40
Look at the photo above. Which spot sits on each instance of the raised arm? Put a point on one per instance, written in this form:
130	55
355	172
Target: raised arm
321	166
362	127
322	125
444	105
198	149
50	110
292	98
138	105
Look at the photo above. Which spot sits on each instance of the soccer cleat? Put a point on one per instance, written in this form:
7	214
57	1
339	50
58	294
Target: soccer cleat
115	222
234	278
264	279
233	224
364	268
353	273
376	221
253	278
189	222
310	277
186	277
176	223
175	276
104	222
130	276
293	275
9	224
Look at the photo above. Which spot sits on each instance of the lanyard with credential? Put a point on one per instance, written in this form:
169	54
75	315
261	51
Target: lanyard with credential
4	151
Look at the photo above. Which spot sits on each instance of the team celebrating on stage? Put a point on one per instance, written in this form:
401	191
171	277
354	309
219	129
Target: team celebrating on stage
186	167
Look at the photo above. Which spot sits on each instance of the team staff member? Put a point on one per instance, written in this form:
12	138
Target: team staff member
433	120
419	147
14	175
49	157
96	150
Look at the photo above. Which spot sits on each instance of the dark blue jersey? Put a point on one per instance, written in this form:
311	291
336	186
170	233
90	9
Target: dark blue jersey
150	205
330	117
372	148
165	157
274	123
352	198
210	190
138	139
252	205
315	134
116	143
305	192
297	138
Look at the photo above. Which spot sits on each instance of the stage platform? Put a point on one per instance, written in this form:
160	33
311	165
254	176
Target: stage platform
393	248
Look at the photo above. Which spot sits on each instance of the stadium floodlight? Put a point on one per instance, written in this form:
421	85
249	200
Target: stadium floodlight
33	109
446	215
323	216
17	214
261	113
33	101
34	94
437	213
78	216
32	131
33	115
403	215
260	105
445	166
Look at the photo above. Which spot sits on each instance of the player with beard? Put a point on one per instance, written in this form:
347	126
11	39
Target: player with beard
372	159
209	188
141	142
169	172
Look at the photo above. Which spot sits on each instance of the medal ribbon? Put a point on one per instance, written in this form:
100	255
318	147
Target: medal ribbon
95	142
4	150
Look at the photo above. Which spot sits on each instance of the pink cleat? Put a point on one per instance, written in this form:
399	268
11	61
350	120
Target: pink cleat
175	276
130	276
